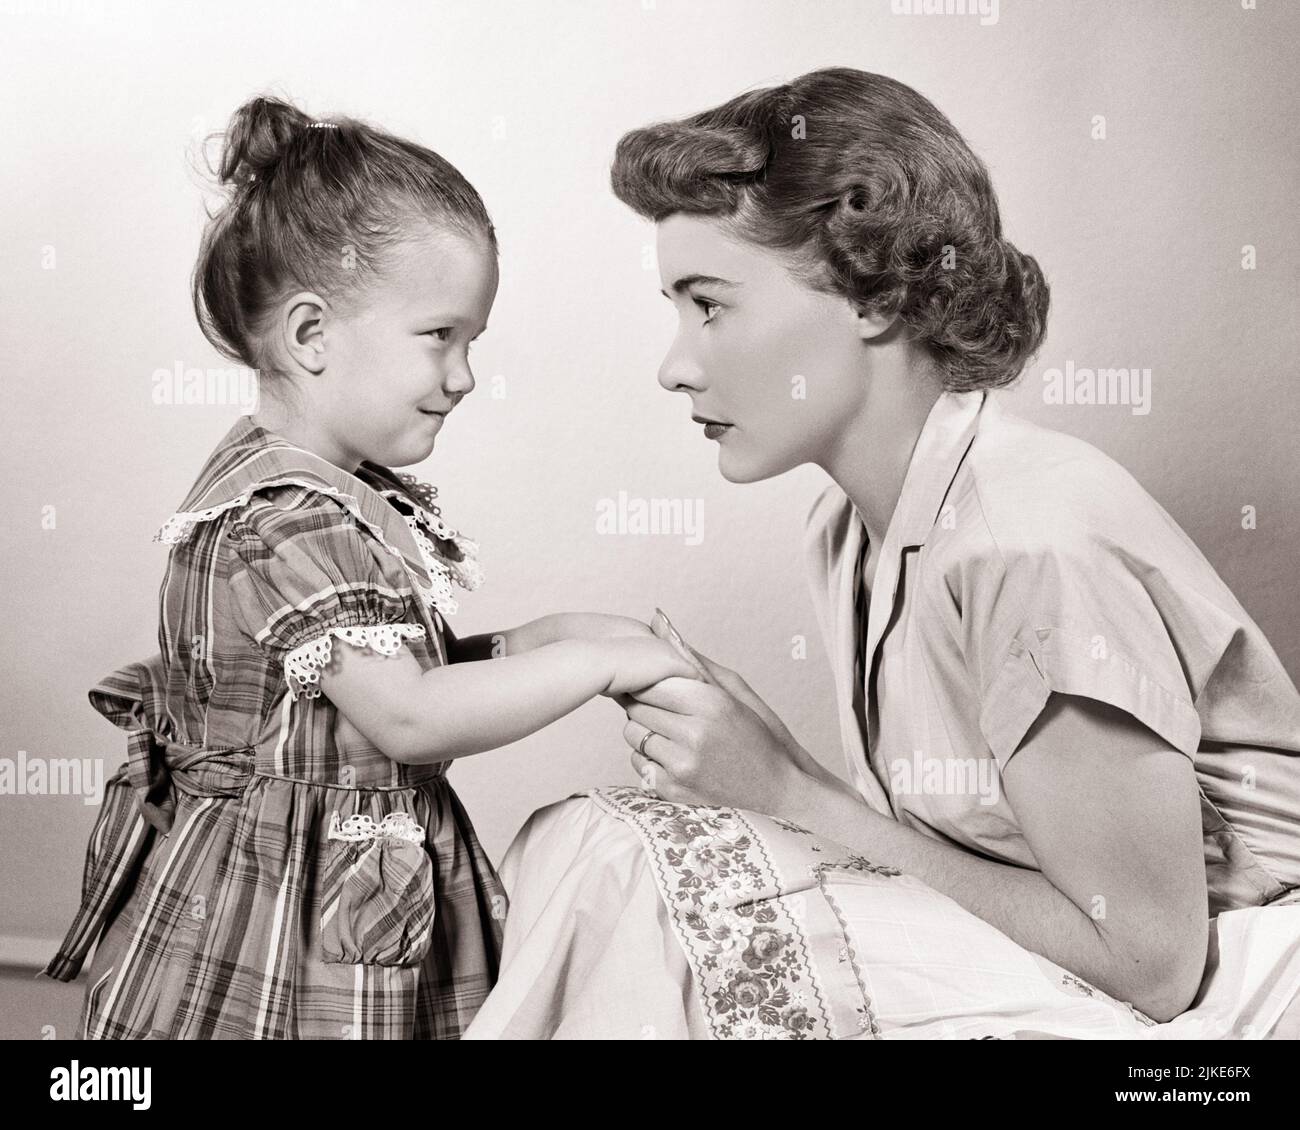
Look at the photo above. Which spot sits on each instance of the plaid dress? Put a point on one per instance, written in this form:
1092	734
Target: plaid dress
259	870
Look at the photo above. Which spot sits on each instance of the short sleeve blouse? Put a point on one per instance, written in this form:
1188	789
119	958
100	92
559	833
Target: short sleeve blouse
305	573
1074	615
1020	562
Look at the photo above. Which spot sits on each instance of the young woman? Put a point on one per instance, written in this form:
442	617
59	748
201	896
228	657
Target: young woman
1072	753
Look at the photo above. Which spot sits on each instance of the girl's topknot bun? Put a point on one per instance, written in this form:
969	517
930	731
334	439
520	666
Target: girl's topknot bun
315	206
258	135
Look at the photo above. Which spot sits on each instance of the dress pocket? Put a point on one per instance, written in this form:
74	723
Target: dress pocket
377	904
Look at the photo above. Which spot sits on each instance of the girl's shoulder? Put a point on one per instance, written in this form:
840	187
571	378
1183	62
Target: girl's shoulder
258	487
252	463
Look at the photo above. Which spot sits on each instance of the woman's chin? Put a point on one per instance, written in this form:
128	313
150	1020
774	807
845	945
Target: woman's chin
736	469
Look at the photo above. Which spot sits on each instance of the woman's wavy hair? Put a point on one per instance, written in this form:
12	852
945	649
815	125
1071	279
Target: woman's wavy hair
873	194
316	206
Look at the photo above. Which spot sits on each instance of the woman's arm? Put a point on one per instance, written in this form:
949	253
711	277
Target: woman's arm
1110	812
1112	816
418	716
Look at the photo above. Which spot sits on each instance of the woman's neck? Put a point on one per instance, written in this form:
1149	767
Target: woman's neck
871	457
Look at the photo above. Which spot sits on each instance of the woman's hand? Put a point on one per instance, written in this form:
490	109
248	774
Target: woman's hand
731	682
709	747
740	690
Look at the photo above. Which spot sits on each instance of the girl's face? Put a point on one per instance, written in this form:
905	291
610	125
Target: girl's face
399	362
782	365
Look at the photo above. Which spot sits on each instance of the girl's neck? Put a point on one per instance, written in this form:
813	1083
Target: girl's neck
303	433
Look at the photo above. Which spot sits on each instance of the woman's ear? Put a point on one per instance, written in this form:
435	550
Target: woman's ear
303	339
871	325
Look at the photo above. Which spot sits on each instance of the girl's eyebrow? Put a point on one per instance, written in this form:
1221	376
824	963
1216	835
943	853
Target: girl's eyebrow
450	320
688	281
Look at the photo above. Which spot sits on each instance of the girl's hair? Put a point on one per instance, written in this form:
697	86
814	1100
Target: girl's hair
874	195
315	207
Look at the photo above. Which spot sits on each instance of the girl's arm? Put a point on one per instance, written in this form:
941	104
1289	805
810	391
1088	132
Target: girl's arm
540	632
417	716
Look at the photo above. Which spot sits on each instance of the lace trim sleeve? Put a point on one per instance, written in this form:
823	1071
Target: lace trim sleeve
303	665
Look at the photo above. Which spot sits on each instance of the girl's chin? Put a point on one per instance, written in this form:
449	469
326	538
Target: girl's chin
408	452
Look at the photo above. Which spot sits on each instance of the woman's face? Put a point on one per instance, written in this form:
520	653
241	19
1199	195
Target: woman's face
782	365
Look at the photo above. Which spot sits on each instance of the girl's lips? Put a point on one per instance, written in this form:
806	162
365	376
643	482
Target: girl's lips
713	431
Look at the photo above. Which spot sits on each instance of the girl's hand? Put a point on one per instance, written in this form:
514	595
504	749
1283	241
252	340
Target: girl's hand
595	626
637	663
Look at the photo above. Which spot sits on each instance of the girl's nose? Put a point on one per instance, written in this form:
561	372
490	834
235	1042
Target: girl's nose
460	380
679	371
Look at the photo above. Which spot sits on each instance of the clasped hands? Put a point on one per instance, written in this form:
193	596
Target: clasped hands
709	739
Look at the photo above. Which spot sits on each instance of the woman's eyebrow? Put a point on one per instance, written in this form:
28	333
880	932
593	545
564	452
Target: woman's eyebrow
688	281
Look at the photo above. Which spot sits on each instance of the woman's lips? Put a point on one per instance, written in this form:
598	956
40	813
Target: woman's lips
712	428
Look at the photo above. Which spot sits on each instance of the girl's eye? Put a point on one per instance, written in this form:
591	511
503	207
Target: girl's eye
441	334
709	308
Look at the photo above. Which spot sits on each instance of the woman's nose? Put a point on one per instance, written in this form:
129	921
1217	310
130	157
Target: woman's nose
680	371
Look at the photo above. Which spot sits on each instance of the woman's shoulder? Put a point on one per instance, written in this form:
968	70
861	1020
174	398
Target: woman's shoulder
1020	489
1044	528
1025	490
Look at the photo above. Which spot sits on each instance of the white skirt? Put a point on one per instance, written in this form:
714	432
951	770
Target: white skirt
633	918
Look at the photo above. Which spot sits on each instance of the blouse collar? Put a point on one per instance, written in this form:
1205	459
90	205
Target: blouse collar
941	447
394	506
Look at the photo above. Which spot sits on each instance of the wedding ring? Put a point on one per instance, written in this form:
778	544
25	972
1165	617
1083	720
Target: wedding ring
641	745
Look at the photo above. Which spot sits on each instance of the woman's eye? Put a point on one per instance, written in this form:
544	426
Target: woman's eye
708	307
441	334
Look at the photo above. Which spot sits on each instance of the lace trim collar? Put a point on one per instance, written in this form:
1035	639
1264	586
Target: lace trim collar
251	458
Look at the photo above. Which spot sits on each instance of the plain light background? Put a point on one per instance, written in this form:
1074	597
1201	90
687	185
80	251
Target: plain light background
1141	236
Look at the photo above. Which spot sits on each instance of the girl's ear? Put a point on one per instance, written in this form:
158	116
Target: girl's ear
303	338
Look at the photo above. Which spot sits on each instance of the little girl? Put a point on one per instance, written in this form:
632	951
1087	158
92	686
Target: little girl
281	856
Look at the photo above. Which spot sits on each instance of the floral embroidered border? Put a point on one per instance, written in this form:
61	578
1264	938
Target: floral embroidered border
747	897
